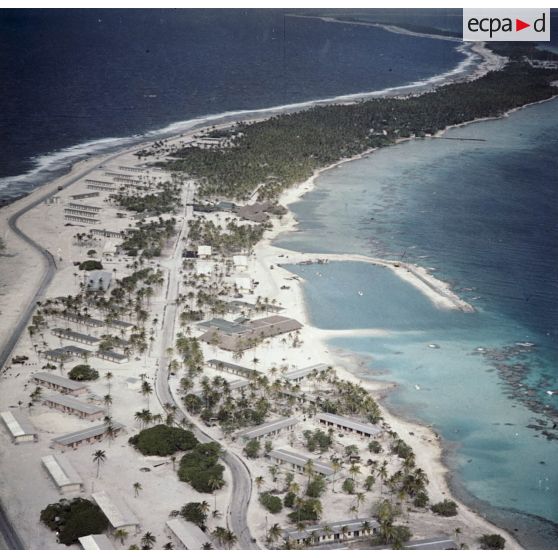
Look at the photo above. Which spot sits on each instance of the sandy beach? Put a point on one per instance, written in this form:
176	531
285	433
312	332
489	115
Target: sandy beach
22	269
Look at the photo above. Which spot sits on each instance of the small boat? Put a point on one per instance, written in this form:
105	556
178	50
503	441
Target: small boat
417	387
360	293
433	346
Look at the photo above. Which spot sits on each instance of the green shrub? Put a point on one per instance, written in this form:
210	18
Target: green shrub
289	500
316	487
193	511
200	468
270	502
82	373
348	486
447	508
252	449
421	500
163	440
310	510
492	542
90	265
73	519
375	447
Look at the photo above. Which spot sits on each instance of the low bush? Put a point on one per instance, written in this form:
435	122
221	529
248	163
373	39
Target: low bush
90	265
447	508
163	440
492	542
83	373
200	468
270	502
75	518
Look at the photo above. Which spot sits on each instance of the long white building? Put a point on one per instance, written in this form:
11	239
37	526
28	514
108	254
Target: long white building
118	514
63	474
19	427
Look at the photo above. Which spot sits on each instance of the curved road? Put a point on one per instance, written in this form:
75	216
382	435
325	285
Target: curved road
242	482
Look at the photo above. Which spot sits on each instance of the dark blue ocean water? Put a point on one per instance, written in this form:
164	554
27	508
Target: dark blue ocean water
483	216
71	77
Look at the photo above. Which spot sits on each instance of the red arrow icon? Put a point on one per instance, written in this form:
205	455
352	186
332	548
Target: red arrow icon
520	25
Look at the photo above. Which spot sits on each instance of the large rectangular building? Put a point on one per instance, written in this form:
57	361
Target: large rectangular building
338	531
118	514
61	471
73	406
187	535
301	373
232	336
231	368
91	435
348	425
19	427
267	429
59	383
67	333
298	462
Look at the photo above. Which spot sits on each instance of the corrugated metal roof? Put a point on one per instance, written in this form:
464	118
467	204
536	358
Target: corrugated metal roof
96	542
61	470
17	424
349	423
72	403
301	460
191	536
118	515
267	427
59	381
80	435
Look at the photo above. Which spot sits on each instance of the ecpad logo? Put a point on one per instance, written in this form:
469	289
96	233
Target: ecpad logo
506	24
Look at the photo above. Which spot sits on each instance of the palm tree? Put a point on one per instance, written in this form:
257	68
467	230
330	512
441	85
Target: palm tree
259	482
336	466
146	391
137	487
230	539
148	540
274	533
108	377
99	457
121	535
108	400
168	546
207	546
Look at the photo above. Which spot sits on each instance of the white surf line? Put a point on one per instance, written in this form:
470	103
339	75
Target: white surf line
437	291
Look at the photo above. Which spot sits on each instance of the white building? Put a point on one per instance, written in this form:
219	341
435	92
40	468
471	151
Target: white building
348	425
204	251
243	282
240	262
19	427
61	471
119	515
96	542
186	535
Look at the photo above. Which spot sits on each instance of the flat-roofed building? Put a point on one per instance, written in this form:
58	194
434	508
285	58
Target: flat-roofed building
348	425
240	261
231	368
243	282
96	542
267	429
204	251
62	472
233	386
107	234
119	324
186	535
73	406
301	373
19	427
81	219
235	336
98	280
112	356
84	207
67	333
349	529
118	513
63	354
91	435
297	461
70	211
59	383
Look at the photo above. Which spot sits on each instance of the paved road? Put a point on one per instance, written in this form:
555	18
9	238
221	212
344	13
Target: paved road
242	482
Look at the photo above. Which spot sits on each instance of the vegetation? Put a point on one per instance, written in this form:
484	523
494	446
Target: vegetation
163	440
165	200
492	542
148	238
447	508
316	487
83	373
270	502
196	512
200	468
317	440
252	449
288	148
90	265
75	518
306	510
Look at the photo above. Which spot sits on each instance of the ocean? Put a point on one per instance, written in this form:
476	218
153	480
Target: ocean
77	82
478	209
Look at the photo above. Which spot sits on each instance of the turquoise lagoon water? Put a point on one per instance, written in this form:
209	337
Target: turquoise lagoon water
481	215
